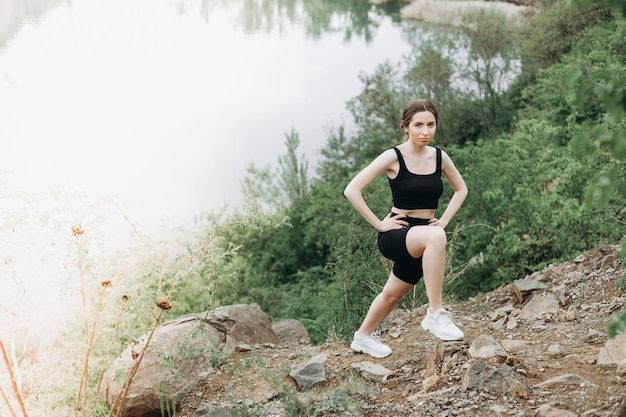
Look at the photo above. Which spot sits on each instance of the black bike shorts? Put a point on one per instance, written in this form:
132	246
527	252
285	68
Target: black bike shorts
392	245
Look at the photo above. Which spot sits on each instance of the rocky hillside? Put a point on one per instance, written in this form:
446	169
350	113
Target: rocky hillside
537	347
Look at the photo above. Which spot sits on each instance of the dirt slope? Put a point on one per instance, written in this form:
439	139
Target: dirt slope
552	345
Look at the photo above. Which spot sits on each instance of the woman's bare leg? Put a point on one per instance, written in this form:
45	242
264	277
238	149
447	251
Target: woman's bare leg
430	243
384	302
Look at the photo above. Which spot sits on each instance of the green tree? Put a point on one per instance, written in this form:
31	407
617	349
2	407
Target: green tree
610	88
260	190
430	74
377	112
336	157
551	29
293	170
525	206
491	62
269	191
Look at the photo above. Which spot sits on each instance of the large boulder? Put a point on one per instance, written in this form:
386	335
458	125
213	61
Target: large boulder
180	352
292	332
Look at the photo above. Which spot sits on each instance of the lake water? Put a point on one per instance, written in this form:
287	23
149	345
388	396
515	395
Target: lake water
146	113
162	104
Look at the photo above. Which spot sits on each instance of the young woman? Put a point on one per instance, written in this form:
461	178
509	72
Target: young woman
410	235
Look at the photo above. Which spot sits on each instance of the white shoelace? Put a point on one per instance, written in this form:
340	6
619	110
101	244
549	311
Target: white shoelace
445	316
375	337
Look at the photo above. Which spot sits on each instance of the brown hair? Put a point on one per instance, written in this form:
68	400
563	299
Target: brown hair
417	106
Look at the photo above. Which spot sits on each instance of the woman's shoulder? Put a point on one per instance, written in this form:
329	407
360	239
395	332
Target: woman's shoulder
383	162
390	151
388	155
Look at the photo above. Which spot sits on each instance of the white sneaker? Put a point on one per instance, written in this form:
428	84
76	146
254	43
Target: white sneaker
371	345
440	324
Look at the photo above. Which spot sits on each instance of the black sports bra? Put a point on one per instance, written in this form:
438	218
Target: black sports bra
414	191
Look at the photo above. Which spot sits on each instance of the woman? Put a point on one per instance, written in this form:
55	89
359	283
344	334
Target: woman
410	234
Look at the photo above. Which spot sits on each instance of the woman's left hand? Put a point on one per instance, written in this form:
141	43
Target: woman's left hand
436	222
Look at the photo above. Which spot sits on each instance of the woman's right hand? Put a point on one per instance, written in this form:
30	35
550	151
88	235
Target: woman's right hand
392	223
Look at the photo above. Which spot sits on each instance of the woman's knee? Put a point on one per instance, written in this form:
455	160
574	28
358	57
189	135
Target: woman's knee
438	236
395	289
434	237
390	297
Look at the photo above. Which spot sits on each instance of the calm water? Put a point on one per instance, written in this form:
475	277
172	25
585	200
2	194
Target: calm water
158	106
162	104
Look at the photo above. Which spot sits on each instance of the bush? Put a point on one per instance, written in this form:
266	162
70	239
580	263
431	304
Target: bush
528	192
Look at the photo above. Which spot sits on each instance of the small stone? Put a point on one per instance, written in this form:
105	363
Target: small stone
539	307
526	284
243	348
429	383
500	323
566	379
546	410
575	358
571	315
485	346
614	351
555	350
498	409
514	345
310	373
373	372
593	334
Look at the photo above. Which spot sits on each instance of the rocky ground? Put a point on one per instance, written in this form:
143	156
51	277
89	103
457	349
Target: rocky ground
424	377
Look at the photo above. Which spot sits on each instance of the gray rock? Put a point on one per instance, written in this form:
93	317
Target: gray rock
500	380
310	373
511	323
372	371
555	350
523	287
567	379
525	284
208	410
614	351
291	332
485	346
246	323
539	306
546	410
514	345
179	352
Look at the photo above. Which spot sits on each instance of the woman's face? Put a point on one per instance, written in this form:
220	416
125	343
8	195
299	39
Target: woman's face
422	127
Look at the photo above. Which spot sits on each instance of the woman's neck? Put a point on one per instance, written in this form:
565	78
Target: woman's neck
417	148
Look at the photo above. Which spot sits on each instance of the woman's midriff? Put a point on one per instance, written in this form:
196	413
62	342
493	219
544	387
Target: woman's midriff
419	213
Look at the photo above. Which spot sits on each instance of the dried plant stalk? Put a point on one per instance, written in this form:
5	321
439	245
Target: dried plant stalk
6	400
16	390
118	405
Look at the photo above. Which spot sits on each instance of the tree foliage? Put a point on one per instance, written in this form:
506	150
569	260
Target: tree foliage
527	184
293	170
